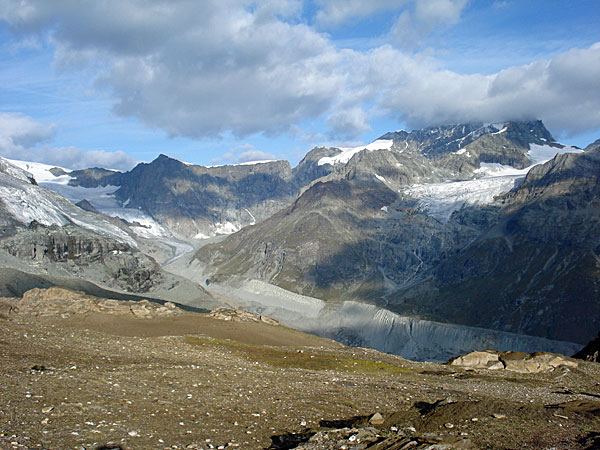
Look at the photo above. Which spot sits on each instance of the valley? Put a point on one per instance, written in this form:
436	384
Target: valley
261	306
425	244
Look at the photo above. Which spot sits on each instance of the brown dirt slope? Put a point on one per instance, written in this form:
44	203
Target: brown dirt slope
190	381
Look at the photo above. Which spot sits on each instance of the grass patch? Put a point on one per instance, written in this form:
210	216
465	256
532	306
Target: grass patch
300	359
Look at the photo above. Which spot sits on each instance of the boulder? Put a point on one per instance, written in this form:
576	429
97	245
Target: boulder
513	361
376	419
477	360
239	315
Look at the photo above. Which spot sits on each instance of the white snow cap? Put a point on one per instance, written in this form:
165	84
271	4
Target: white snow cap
348	153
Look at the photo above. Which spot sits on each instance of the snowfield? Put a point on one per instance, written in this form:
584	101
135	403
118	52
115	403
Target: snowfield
26	202
101	198
440	200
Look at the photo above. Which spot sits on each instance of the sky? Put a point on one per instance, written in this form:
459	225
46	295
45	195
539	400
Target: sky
112	83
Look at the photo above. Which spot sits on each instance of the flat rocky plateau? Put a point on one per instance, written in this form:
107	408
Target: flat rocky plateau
94	379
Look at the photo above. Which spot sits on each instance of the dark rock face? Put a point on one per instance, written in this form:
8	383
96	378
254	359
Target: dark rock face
527	263
86	206
535	270
95	177
309	169
434	142
593	145
591	352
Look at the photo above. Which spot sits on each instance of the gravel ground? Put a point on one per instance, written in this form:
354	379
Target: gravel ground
195	382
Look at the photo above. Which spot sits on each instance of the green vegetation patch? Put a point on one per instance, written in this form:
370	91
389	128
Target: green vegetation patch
299	359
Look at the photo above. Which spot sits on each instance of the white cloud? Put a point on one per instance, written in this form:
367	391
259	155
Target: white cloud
348	123
437	12
204	69
337	12
18	131
244	153
411	27
196	69
563	91
23	138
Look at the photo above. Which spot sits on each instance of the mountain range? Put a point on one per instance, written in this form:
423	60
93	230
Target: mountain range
492	226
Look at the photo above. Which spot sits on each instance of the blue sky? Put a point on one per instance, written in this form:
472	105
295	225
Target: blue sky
112	83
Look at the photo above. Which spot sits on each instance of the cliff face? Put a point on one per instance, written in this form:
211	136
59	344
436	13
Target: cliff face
535	270
49	241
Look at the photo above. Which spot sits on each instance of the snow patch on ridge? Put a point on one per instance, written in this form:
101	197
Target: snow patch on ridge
348	153
102	198
539	154
226	228
41	172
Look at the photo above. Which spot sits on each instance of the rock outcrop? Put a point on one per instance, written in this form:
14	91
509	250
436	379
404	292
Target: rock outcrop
591	352
513	361
62	302
239	315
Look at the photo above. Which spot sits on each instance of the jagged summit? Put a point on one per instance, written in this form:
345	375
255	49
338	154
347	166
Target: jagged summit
440	140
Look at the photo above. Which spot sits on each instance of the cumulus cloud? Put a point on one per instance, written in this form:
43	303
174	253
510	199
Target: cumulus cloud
18	131
244	153
205	69
196	69
23	138
348	123
76	158
563	91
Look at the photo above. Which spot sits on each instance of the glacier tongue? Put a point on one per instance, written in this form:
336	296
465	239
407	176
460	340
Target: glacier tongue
367	325
440	200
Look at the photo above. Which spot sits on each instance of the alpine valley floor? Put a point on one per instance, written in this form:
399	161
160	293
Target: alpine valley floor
88	380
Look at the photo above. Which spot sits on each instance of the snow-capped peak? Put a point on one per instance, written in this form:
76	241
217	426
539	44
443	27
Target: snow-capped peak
347	153
440	200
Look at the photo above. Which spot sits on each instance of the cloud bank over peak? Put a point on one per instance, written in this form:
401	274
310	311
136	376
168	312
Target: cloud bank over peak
205	69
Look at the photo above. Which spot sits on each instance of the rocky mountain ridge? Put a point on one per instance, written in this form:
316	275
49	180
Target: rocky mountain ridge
415	222
387	224
194	201
41	233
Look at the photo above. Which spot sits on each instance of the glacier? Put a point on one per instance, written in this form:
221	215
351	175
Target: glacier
366	325
440	200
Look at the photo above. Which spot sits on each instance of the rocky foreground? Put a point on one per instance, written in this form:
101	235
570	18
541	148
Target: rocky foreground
150	376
